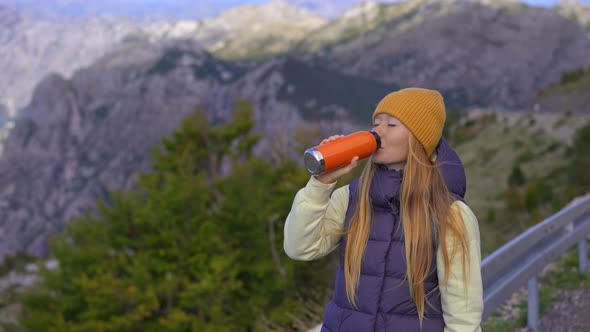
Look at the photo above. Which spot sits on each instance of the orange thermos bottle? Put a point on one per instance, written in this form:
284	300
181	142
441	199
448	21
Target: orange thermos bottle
332	155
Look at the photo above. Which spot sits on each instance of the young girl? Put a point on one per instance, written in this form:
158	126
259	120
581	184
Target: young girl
409	245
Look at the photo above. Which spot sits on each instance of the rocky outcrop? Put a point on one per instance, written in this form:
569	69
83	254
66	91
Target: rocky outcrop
576	11
81	138
247	31
476	54
86	136
31	48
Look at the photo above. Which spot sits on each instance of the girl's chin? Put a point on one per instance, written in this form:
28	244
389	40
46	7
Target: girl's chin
377	160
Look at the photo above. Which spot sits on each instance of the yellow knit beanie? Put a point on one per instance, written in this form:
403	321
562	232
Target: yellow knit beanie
422	111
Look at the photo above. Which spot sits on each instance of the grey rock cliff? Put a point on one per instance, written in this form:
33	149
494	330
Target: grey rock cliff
31	48
476	54
89	135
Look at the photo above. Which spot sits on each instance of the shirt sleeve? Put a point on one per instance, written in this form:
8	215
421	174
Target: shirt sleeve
462	304
315	223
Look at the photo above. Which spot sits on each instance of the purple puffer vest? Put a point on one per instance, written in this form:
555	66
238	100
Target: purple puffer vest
383	298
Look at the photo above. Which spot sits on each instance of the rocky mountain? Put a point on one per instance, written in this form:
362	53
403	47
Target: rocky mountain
88	134
570	95
84	136
330	9
356	21
31	48
248	31
477	54
369	14
575	10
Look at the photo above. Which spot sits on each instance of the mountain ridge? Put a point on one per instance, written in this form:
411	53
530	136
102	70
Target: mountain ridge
86	135
496	57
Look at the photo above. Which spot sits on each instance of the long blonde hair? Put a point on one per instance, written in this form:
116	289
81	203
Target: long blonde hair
426	214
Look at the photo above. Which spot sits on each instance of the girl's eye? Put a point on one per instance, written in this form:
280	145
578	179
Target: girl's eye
391	125
375	124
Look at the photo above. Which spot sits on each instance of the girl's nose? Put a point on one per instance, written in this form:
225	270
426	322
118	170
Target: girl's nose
378	129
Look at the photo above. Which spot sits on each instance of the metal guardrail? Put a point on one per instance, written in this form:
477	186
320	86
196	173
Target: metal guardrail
520	261
524	257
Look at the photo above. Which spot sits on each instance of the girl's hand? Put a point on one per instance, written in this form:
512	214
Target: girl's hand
334	175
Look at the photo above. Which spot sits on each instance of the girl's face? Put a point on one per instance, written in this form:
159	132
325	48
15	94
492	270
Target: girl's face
394	141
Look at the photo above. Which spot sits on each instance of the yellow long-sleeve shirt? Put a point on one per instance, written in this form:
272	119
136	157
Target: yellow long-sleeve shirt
316	216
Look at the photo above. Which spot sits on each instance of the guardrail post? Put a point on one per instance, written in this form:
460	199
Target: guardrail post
583	255
533	304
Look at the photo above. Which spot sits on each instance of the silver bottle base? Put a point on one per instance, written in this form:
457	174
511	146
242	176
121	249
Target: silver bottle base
314	161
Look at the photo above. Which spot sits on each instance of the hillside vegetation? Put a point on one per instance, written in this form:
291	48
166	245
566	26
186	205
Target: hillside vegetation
570	94
515	165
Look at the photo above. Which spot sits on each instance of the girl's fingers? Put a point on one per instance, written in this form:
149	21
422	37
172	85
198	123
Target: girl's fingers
353	164
330	139
334	175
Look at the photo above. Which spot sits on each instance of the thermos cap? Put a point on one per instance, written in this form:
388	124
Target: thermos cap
314	161
377	138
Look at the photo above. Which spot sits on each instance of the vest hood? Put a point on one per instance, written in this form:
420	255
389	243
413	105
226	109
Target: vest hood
386	185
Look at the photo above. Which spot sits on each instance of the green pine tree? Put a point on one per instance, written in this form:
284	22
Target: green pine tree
189	249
